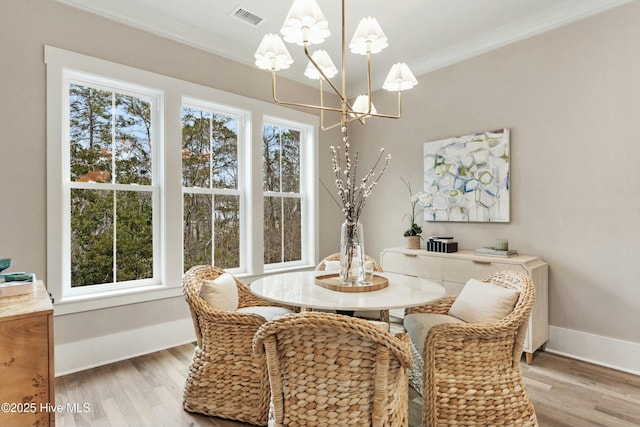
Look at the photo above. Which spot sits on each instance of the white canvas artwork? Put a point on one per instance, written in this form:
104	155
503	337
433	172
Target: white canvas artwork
466	178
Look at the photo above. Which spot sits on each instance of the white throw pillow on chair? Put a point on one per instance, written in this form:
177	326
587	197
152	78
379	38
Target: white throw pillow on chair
220	293
481	302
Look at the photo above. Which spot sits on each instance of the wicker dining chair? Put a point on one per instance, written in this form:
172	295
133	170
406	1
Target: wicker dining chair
472	373
382	315
226	379
331	370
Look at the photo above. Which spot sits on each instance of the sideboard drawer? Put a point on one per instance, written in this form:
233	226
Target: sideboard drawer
413	265
460	270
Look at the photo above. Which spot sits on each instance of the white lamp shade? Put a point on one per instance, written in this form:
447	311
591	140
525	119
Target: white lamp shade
272	54
305	22
368	38
399	78
323	60
361	105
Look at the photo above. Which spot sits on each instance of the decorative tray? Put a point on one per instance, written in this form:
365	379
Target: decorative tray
332	281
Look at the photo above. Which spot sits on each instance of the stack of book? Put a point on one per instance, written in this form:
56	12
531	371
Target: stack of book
17	284
490	250
442	244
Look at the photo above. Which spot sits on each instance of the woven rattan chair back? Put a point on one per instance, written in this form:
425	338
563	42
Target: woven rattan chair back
472	373
384	314
331	370
226	379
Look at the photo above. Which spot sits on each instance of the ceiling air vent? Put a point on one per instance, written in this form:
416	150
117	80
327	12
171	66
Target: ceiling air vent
246	16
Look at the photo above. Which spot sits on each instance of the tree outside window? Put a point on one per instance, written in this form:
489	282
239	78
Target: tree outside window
282	194
211	201
111	198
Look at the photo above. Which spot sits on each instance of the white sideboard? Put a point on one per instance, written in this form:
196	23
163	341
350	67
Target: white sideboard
452	270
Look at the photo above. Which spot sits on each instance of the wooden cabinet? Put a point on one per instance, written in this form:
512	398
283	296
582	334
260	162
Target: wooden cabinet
26	359
452	270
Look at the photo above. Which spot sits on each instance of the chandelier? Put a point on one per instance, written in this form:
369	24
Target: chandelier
305	25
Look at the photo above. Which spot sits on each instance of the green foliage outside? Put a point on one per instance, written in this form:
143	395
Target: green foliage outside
282	215
111	231
210	161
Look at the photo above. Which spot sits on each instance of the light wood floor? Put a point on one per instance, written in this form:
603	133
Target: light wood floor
147	391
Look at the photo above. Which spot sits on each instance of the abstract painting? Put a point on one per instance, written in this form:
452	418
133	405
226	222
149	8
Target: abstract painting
466	178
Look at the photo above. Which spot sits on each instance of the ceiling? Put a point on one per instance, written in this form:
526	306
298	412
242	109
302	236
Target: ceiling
426	34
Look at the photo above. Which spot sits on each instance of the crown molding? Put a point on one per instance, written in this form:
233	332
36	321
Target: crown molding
554	17
561	14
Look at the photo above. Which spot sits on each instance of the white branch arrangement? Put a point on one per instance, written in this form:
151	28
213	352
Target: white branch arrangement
353	192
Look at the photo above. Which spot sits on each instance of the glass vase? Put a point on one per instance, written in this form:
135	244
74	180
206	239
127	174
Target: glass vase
352	262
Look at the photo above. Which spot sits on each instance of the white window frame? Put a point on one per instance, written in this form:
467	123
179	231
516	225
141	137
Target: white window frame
306	189
154	97
243	117
171	92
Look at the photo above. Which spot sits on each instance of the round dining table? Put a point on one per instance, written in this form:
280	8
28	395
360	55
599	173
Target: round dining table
301	290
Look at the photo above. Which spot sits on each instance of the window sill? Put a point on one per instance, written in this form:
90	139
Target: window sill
77	304
80	303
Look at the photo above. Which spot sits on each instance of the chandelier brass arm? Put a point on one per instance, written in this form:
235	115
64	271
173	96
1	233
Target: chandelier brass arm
304	25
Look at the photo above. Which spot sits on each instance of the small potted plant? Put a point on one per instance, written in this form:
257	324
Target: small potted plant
413	232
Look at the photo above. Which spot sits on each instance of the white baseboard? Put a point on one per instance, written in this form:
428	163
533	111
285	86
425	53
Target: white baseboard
80	355
597	349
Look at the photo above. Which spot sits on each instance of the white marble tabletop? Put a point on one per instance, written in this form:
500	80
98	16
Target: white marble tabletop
298	289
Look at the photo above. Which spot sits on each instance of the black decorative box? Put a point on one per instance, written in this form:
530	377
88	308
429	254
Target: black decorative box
439	246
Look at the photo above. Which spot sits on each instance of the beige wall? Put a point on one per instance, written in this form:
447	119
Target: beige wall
570	98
